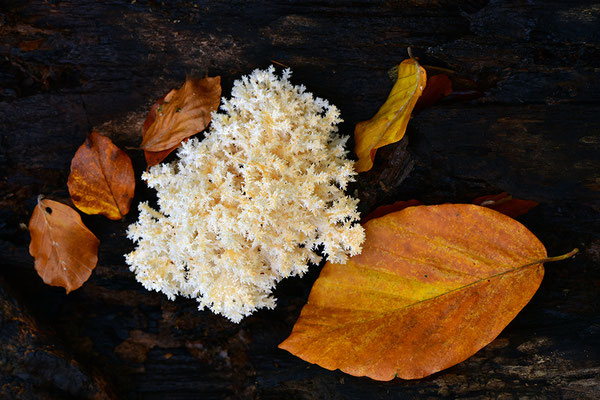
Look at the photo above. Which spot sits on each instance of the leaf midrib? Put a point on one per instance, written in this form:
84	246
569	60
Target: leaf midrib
100	164
50	233
386	313
412	93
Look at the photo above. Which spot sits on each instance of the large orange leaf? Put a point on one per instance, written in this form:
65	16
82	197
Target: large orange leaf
432	286
65	250
102	180
389	124
183	113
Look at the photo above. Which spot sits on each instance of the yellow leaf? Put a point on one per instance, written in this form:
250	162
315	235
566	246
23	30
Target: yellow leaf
432	286
389	124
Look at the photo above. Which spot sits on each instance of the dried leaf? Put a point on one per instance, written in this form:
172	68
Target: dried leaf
390	208
183	113
438	86
433	285
65	250
389	124
156	157
503	202
102	180
151	117
506	204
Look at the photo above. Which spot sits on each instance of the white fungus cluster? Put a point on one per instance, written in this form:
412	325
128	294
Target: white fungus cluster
248	205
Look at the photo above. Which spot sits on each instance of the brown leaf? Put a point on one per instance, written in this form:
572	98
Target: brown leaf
183	113
389	208
151	117
155	157
502	202
432	286
506	204
438	86
102	180
65	250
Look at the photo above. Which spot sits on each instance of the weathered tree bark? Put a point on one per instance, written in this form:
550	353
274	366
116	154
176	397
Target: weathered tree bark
32	365
70	66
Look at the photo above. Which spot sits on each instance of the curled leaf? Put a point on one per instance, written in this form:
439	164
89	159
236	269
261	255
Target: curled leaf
432	286
65	250
102	180
181	113
389	124
506	204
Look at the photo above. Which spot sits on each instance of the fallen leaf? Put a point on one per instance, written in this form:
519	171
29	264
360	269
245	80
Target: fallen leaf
461	89
389	124
65	250
389	208
156	157
438	86
432	286
502	202
102	180
183	113
151	117
506	204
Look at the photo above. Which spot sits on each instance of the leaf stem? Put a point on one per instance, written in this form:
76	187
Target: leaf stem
278	63
556	258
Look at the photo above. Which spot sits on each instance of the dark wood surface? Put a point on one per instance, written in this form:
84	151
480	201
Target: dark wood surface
67	67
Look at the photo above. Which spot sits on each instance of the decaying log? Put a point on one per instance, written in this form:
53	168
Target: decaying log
68	67
32	364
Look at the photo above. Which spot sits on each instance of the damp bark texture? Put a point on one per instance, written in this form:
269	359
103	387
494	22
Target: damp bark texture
524	119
